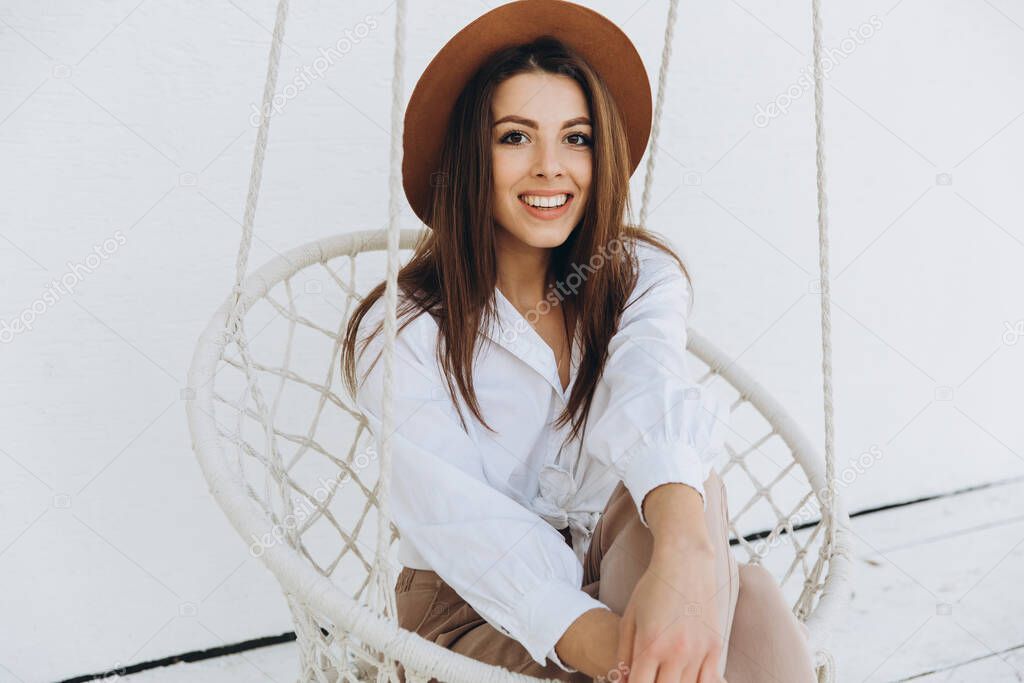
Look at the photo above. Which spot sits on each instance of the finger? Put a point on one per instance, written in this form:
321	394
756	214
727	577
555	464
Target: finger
627	631
691	674
709	669
643	669
670	672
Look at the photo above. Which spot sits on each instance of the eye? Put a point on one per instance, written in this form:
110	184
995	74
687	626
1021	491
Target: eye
585	139
512	133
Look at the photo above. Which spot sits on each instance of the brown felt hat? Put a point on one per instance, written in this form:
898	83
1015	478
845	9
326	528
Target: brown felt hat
593	36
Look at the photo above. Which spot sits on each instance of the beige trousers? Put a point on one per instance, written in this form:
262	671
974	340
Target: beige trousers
761	639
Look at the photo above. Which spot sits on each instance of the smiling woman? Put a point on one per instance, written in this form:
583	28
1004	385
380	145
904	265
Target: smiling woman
565	526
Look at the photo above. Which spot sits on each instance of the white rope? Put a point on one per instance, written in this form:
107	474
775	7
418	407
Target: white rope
823	266
652	154
259	154
391	302
235	328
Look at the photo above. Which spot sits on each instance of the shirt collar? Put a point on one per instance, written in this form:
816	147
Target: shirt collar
511	330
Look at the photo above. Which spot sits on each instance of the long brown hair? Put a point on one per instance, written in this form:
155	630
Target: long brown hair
452	273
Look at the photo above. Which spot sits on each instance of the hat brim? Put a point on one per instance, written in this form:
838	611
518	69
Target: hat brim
593	36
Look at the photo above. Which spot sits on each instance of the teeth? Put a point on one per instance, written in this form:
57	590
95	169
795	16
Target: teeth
545	202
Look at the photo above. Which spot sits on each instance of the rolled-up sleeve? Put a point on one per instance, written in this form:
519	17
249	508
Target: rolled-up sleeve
650	421
510	565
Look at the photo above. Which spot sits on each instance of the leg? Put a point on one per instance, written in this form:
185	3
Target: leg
621	548
768	643
430	607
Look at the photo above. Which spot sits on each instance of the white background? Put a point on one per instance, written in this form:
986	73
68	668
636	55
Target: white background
134	117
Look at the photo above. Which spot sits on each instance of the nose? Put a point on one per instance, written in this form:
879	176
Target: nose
547	162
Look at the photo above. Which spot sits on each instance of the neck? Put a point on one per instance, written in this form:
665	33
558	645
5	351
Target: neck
522	272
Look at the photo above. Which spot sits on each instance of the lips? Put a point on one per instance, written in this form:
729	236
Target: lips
547	213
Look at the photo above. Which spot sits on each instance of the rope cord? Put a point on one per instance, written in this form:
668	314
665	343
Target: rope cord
391	298
826	290
235	329
258	156
652	154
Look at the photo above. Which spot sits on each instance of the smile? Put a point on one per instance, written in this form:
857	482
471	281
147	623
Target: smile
546	208
552	202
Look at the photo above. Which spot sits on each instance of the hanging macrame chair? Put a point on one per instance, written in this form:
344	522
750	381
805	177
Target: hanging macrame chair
307	488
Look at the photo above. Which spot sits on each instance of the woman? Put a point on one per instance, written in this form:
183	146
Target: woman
554	484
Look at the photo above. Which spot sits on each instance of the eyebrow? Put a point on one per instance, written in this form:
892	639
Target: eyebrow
533	124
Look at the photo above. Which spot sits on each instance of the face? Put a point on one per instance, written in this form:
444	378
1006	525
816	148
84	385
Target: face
542	151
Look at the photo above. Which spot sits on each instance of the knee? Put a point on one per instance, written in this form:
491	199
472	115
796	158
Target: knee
763	599
755	578
762	589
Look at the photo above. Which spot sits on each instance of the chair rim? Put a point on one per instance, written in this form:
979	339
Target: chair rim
301	579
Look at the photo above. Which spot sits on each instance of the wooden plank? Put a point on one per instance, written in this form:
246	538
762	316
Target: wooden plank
1002	666
936	585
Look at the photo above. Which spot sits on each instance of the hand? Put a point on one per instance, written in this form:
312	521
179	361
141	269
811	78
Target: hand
669	631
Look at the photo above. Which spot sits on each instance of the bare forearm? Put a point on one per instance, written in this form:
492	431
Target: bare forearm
591	642
675	515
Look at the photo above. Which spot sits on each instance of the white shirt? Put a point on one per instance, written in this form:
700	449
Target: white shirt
482	509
